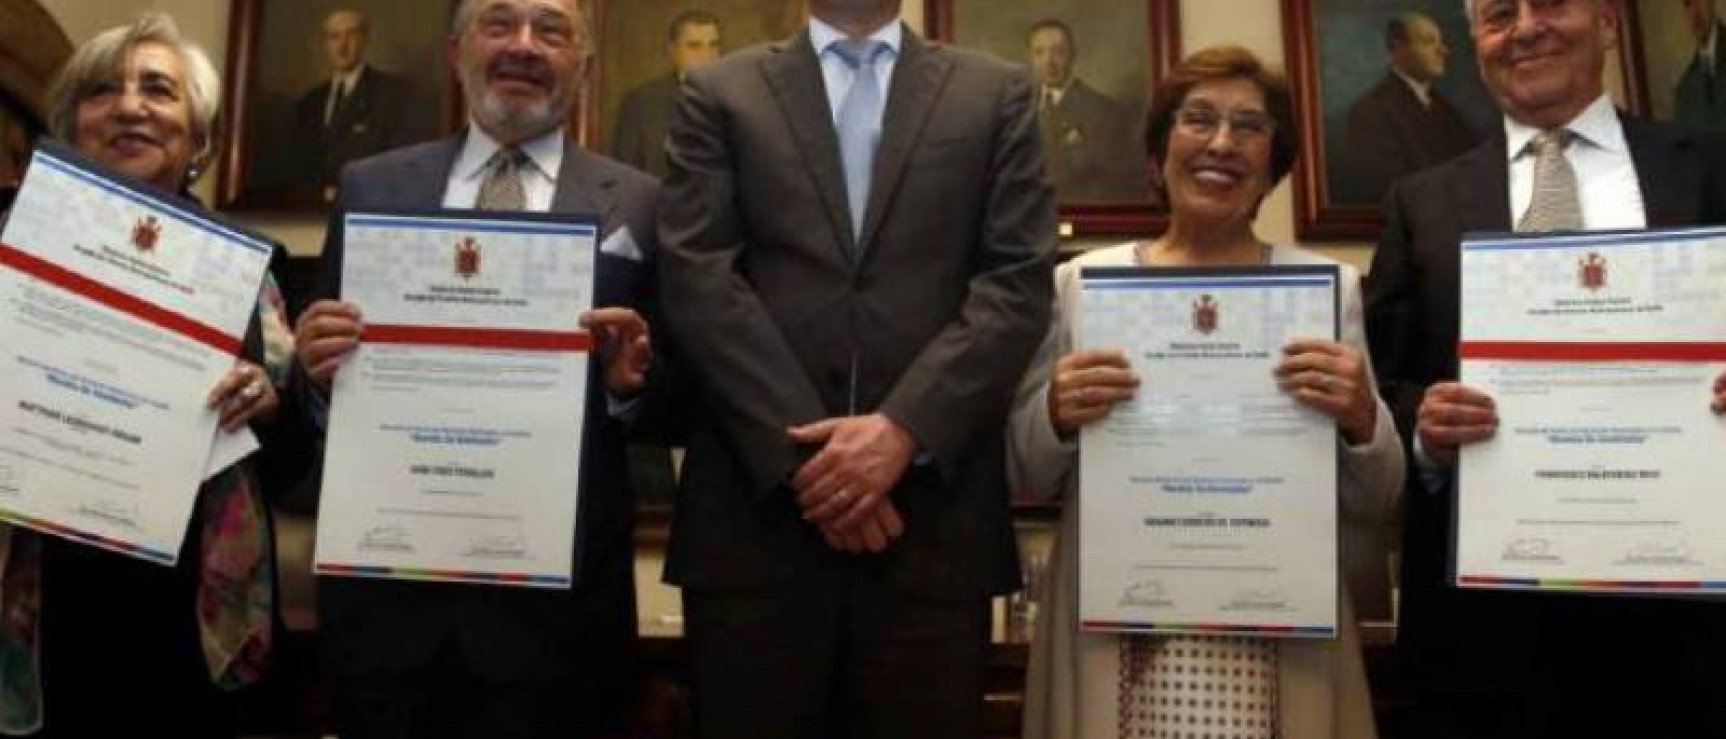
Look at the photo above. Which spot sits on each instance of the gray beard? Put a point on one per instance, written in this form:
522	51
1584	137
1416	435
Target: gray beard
519	124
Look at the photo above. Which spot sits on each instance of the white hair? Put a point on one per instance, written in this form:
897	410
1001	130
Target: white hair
467	10
94	63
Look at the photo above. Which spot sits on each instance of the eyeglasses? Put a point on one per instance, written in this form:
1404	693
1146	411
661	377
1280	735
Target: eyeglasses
1203	120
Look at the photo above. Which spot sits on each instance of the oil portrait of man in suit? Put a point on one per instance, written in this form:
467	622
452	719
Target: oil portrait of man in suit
651	45
1683	59
1091	69
1398	89
327	83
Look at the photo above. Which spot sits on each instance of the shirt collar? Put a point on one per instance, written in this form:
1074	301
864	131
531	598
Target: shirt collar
1597	125
544	153
1711	44
1422	90
822	36
350	78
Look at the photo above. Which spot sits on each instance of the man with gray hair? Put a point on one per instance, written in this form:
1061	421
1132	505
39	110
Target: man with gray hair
1505	664
416	659
1403	124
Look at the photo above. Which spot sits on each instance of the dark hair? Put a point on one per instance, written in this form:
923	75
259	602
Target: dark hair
688	18
1396	31
1059	25
1221	64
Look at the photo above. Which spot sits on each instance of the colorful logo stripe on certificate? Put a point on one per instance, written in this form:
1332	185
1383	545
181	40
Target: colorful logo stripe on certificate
1140	627
78	284
416	573
115	545
1526	583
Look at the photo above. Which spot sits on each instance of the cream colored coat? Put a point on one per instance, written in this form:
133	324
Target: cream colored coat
1071	691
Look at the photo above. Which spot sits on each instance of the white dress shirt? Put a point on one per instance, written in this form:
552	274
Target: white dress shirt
838	75
1605	175
538	174
341	85
1421	90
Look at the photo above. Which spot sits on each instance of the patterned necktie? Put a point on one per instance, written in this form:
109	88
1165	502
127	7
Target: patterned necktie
1555	205
859	123
502	189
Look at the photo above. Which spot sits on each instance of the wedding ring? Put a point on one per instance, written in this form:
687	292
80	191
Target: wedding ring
253	390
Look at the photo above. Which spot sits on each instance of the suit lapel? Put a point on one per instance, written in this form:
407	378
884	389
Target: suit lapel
1666	172
918	78
424	185
794	75
1483	190
581	189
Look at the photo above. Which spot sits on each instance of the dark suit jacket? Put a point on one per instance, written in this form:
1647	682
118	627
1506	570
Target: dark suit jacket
1389	133
1092	153
376	626
638	138
381	113
1412	316
784	318
1700	97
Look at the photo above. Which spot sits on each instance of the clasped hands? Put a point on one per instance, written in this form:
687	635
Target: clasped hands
328	331
1324	375
844	488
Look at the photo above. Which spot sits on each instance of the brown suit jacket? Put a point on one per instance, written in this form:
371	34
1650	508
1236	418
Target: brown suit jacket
781	317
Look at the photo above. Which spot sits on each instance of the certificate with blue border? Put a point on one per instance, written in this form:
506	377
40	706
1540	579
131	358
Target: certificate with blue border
1600	352
456	428
123	307
1207	504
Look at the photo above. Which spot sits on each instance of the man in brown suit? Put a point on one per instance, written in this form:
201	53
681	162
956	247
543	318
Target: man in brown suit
856	248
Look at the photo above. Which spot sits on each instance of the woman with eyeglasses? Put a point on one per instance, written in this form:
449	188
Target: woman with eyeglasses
1220	136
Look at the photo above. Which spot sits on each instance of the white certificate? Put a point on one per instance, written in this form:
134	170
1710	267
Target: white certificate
122	309
1208	503
1600	352
455	430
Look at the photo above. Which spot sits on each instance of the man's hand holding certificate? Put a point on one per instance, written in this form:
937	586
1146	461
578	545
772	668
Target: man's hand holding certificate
1599	354
455	430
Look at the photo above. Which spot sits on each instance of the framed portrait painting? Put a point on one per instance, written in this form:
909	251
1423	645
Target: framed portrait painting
644	48
315	84
1677	57
1094	66
1383	88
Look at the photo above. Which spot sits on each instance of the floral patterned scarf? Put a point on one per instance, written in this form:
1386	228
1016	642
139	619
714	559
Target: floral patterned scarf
236	590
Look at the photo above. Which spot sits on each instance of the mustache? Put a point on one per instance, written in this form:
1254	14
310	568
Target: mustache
520	66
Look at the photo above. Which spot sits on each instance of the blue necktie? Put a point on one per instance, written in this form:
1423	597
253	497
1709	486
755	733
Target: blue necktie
859	123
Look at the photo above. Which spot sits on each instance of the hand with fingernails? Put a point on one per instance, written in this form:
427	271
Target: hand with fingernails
1452	414
1086	385
844	488
625	348
327	331
243	395
1331	377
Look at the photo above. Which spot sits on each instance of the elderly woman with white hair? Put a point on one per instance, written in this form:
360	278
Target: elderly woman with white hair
98	644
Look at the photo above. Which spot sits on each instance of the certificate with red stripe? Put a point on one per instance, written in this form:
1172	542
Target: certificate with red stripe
1600	352
123	307
455	430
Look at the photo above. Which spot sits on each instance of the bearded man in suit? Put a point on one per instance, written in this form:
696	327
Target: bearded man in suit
418	659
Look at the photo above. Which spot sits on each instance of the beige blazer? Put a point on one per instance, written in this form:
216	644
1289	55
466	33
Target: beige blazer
1071	690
